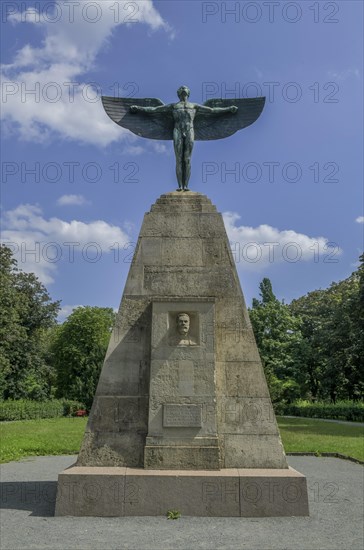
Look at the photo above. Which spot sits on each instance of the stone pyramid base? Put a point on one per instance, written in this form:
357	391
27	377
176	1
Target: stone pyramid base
233	492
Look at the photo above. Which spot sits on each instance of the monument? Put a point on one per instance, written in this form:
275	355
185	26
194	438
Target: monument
182	418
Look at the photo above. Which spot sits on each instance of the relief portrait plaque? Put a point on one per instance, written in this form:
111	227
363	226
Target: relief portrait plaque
181	334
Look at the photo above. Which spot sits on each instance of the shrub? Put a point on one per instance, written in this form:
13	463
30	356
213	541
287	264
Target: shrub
341	410
25	409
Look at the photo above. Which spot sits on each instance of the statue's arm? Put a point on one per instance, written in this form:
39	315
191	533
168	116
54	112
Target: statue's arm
216	110
159	109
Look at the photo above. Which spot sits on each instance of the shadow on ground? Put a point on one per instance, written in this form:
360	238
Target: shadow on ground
38	497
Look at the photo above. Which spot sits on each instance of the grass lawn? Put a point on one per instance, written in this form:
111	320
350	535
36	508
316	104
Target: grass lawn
311	435
58	436
46	436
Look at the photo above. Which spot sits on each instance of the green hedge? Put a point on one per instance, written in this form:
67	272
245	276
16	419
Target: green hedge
342	410
25	409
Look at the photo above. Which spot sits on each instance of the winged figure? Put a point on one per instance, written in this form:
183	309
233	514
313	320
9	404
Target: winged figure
183	122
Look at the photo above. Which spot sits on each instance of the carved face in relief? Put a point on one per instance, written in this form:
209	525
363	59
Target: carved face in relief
183	324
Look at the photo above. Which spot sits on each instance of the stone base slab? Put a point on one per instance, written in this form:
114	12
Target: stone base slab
107	491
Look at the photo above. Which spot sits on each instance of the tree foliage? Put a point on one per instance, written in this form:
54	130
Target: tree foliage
78	350
27	314
332	324
278	337
313	348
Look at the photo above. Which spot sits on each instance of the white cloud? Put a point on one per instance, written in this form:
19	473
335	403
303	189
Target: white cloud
160	148
257	247
62	103
65	311
360	219
67	200
30	15
134	150
39	244
345	73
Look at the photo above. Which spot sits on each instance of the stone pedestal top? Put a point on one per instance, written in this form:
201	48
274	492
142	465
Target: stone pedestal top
184	201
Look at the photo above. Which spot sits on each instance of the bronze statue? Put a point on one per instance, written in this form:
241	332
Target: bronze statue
183	122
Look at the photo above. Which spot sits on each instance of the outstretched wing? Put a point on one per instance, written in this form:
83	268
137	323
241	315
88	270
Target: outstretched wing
217	126
148	125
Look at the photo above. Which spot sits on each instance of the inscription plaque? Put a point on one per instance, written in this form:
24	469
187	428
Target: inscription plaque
182	416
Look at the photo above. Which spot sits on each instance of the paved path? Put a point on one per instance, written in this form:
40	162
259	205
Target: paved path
335	522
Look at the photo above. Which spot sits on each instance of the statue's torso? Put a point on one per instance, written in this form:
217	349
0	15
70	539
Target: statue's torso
184	114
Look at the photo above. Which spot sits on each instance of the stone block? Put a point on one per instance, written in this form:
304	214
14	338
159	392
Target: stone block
182	457
170	225
247	415
182	251
119	413
273	493
236	344
241	379
150	251
194	493
96	491
254	451
231	492
190	281
112	448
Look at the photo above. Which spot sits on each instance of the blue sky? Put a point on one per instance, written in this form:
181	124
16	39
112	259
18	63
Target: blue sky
76	186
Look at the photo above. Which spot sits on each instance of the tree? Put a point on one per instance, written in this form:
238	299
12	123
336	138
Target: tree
27	315
78	351
11	331
312	309
278	337
266	292
357	310
333	334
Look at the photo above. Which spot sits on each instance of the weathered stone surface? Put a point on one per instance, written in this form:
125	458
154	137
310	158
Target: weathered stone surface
182	263
97	491
191	457
253	451
182	417
137	492
177	203
247	415
128	354
112	448
241	379
267	493
190	251
182	386
119	413
190	281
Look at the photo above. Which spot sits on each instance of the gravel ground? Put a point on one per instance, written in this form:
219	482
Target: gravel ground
335	522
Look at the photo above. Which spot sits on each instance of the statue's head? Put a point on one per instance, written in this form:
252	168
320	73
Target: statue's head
183	323
183	90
